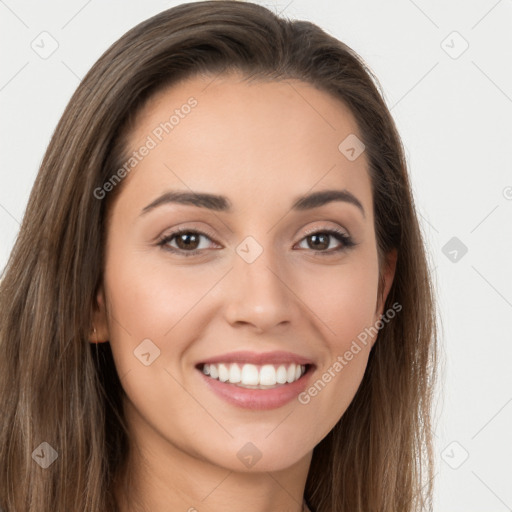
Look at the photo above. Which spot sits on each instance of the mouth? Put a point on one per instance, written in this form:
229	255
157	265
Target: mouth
254	381
254	376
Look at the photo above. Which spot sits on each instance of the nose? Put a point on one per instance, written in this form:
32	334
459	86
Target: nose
258	293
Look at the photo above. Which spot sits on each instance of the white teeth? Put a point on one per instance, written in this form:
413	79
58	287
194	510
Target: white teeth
214	372
223	373
253	376
290	374
268	375
250	375
235	375
281	375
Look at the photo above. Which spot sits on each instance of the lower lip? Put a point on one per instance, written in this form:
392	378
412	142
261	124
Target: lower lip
258	399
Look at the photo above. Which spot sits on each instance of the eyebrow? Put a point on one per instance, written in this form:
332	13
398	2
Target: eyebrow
223	204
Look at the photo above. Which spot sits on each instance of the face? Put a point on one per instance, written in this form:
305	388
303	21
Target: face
264	290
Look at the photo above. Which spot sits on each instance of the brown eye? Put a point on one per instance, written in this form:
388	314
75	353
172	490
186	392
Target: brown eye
319	241
187	242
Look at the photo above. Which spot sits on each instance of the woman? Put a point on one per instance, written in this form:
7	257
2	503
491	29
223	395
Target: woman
219	297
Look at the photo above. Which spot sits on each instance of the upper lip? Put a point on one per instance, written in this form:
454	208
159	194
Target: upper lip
276	357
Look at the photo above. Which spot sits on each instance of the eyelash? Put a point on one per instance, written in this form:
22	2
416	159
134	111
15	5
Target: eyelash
339	235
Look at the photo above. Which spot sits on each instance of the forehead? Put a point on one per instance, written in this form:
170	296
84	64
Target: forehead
263	139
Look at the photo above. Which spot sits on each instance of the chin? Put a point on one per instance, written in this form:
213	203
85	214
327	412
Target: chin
246	456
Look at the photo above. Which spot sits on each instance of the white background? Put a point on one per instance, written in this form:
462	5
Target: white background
454	118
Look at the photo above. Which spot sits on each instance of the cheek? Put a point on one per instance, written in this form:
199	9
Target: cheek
152	298
344	299
345	303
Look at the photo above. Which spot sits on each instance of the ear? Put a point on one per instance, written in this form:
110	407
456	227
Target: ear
385	281
99	321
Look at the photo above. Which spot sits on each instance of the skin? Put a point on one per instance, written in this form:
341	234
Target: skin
262	145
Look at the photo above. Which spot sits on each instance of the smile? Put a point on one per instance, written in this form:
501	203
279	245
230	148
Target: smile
253	376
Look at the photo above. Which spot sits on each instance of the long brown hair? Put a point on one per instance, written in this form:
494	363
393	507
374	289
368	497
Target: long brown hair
58	388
